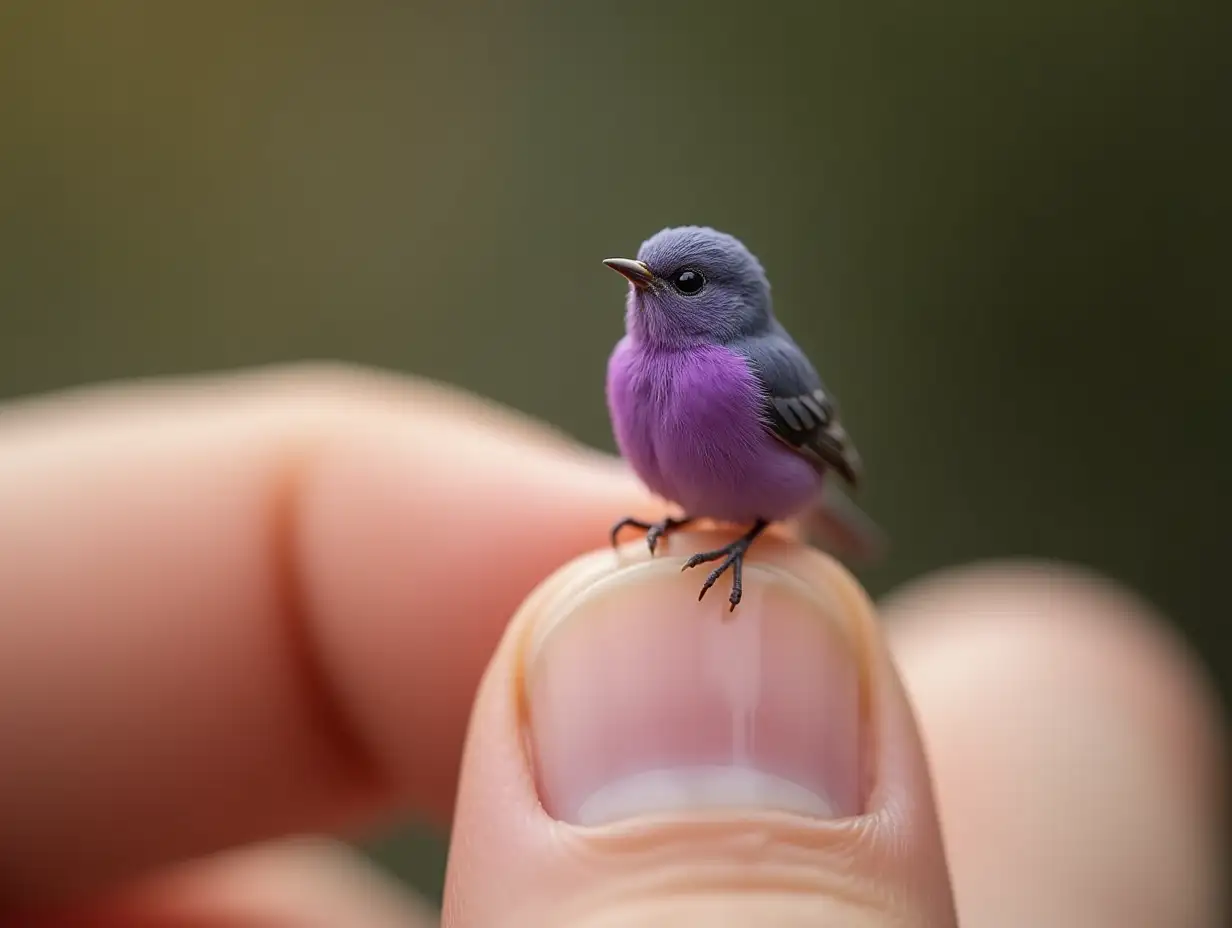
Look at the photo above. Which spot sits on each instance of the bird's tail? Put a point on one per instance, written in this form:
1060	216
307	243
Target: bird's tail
836	525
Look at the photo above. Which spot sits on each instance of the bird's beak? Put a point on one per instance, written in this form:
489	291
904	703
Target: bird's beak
637	272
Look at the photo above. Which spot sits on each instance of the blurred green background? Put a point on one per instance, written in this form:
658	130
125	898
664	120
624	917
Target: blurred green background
1000	230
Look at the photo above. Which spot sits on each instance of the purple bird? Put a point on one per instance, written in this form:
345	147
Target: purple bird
714	405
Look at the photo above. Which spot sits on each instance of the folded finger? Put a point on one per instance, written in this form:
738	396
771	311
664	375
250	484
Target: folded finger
249	605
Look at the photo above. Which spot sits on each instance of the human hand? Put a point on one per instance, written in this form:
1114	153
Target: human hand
254	606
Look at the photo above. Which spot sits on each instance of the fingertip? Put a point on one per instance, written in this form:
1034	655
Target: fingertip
1069	621
631	744
1065	717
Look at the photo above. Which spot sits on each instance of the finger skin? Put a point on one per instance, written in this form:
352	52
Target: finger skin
249	605
1077	747
511	864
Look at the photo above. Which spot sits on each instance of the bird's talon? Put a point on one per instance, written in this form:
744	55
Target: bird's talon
731	557
654	530
624	524
653	536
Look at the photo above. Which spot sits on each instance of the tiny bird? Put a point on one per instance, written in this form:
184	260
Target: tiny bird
715	406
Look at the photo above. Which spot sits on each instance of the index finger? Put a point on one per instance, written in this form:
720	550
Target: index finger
245	606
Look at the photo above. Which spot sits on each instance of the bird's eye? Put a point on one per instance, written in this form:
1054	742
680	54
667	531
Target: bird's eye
688	281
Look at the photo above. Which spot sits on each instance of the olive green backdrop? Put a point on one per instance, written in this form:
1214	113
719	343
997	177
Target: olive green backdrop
1001	230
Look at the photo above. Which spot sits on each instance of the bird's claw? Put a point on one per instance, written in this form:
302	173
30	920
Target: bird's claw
732	557
701	559
730	561
624	524
654	530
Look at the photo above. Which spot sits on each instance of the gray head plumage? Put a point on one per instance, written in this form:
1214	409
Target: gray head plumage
694	284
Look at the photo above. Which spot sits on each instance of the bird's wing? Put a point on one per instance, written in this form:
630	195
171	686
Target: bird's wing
798	409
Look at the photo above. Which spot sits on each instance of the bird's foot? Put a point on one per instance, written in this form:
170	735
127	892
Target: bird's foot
730	556
654	530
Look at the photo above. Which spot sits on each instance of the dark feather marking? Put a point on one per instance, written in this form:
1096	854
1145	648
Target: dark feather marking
802	413
798	410
814	405
785	410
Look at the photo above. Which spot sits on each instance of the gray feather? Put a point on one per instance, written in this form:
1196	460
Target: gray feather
799	410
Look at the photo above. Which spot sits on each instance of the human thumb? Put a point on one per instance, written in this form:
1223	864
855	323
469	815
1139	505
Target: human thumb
638	757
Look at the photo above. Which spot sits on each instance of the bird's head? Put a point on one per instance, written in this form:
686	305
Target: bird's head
694	285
